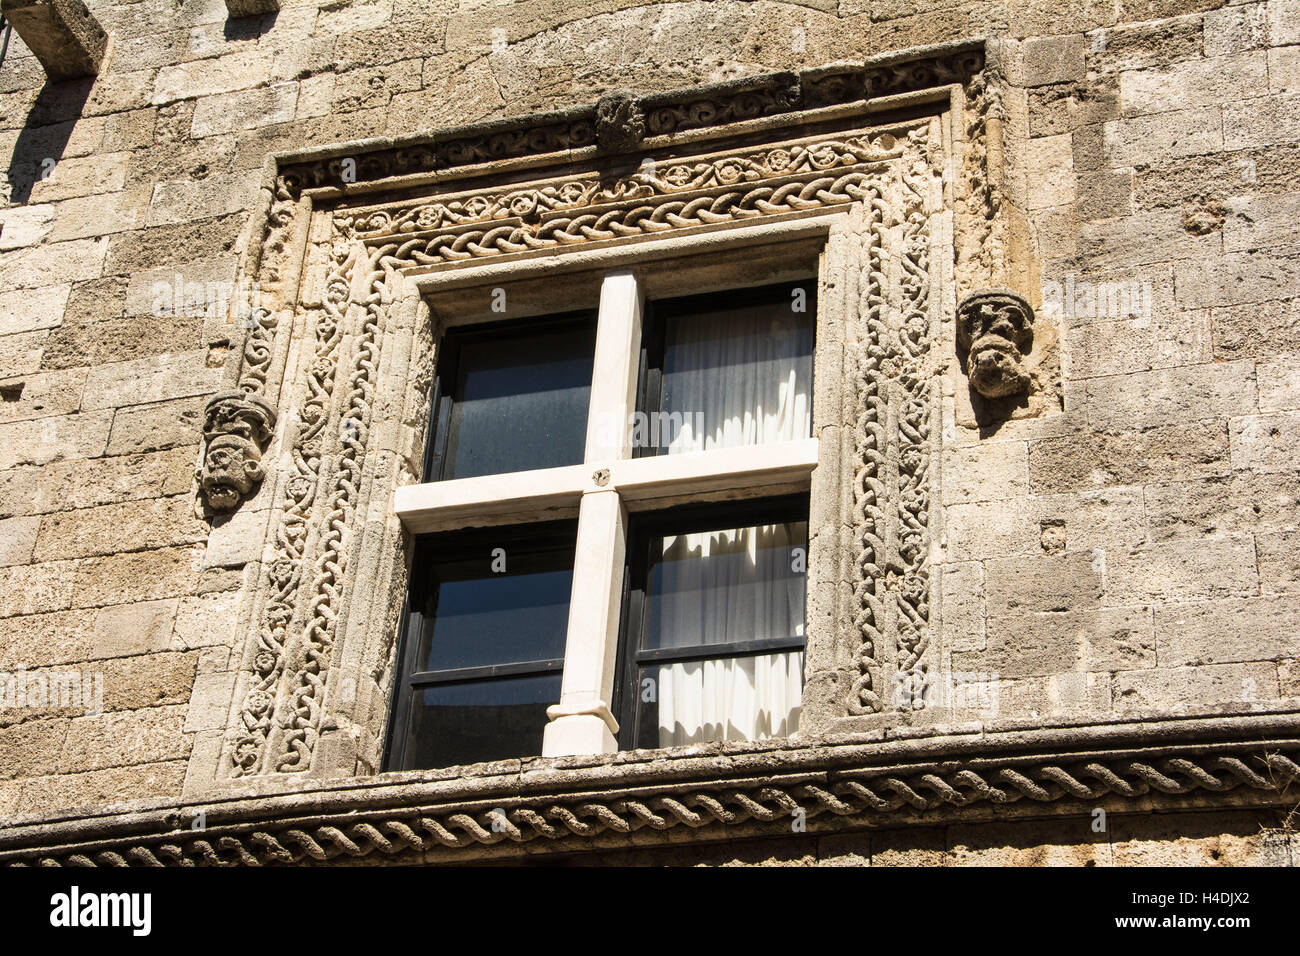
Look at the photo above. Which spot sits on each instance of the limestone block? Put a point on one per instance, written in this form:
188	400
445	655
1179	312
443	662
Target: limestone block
40	441
55	264
96	582
1170	396
1045	643
1279	386
1236	279
63	34
1096	459
153	379
1137	344
1262	121
1283	22
1266	442
1190	689
1279	561
207	620
20	355
33	309
124	630
245	110
146	681
17	539
1234	29
1044	60
44	795
24	226
962	588
1148	139
209	707
129	526
1236	630
1243	502
1225	838
31	748
1257	330
183	200
147	735
1050	163
87	483
1182	571
1043	583
1284	68
145	428
990	471
1194	83
82	176
237	539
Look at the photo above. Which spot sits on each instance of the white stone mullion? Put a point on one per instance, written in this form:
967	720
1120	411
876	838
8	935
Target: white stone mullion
582	722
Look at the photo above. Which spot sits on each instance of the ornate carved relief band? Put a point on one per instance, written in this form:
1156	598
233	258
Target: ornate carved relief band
360	248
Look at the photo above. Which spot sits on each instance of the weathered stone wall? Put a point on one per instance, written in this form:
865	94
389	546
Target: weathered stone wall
1131	551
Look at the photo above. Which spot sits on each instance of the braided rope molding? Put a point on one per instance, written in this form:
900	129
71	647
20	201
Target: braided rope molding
836	800
732	169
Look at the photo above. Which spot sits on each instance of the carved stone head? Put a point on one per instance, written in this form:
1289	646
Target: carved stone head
231	467
620	123
995	328
236	428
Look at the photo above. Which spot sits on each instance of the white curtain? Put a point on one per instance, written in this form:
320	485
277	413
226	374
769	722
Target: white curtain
738	377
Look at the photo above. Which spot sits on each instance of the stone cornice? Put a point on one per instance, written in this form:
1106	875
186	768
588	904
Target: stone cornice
658	116
702	793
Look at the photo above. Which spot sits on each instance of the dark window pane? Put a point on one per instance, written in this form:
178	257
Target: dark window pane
727	586
730	698
476	616
453	724
520	401
736	374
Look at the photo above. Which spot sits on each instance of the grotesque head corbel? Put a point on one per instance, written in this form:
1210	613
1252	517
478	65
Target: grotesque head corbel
995	328
236	428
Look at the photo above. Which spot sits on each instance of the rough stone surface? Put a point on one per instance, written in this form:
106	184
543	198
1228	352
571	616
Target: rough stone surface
1118	540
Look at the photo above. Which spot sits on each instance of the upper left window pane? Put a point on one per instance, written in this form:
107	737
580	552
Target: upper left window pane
513	398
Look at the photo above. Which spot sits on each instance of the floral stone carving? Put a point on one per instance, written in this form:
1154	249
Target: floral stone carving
236	428
995	328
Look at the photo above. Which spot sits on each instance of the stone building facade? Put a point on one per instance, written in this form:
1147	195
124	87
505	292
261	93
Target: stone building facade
1053	565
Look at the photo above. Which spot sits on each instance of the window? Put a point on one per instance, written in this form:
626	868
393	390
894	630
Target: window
677	432
713	632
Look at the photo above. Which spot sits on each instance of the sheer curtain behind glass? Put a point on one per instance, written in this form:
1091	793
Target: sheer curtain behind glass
735	376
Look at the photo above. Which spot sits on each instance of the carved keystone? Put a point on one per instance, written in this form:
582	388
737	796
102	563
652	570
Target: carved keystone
995	328
249	8
236	428
63	34
620	122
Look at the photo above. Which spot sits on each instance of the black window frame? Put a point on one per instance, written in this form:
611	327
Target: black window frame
448	372
433	548
645	527
656	315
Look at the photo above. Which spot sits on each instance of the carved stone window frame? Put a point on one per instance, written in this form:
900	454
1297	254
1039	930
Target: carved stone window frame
886	168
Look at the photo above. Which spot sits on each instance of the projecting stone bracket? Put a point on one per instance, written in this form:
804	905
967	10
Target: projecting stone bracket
249	8
63	34
236	428
995	329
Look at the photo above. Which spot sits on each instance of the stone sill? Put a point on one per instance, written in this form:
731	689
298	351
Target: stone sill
706	792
